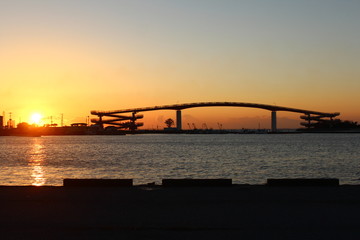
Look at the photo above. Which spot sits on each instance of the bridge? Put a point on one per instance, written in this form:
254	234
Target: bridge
129	122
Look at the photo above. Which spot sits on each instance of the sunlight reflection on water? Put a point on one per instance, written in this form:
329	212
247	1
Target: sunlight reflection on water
37	156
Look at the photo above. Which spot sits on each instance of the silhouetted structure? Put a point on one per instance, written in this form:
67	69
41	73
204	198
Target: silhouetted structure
335	124
92	182
118	120
302	182
187	182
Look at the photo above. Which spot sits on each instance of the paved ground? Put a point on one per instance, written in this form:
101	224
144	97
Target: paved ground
238	212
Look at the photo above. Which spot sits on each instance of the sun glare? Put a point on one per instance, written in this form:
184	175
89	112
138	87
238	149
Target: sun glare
35	118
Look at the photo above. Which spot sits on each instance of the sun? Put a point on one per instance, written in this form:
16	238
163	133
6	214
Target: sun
35	118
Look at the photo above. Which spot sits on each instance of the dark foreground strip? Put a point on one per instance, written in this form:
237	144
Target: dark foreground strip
70	182
303	182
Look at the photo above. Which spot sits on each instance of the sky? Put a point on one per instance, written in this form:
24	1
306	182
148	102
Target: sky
73	56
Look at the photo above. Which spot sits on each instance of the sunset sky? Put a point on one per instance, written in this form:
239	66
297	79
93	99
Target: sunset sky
73	56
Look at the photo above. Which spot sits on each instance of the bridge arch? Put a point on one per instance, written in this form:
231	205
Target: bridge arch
309	115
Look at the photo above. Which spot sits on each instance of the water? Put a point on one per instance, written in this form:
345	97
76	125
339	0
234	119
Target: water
149	158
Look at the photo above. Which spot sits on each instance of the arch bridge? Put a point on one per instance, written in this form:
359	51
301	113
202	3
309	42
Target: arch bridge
129	122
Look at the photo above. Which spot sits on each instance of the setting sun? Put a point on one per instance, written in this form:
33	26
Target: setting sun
35	118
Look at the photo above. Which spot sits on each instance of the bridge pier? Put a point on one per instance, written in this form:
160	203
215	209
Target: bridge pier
273	121
101	122
178	120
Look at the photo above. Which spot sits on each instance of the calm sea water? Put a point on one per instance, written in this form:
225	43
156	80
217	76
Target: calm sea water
149	158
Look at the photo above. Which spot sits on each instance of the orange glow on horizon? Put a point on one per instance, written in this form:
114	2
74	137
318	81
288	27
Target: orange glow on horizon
63	60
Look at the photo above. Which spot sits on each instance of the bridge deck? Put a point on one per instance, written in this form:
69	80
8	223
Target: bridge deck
215	104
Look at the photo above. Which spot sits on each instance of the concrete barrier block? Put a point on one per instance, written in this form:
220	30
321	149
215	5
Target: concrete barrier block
303	182
92	182
186	182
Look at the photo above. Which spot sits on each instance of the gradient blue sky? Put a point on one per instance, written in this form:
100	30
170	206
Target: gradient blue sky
74	56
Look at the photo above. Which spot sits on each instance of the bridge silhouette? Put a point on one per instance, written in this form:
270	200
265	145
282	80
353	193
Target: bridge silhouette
113	118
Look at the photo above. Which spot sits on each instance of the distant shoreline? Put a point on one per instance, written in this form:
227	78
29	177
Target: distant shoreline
53	131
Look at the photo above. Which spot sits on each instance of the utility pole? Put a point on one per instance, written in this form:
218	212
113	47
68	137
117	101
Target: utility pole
10	120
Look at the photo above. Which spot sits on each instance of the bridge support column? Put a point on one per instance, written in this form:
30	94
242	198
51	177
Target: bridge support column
178	120
101	122
273	121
